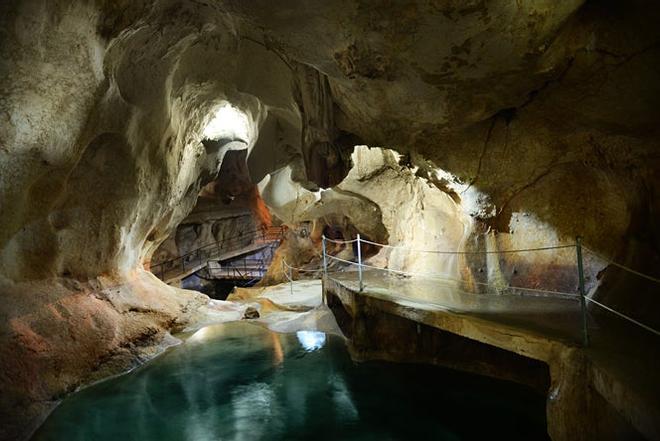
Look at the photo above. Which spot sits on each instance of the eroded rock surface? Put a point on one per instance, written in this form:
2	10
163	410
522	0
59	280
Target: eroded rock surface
228	213
532	122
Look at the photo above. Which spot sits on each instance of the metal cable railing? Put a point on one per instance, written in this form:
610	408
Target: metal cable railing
580	270
289	272
523	250
197	257
623	267
340	241
623	316
239	269
439	276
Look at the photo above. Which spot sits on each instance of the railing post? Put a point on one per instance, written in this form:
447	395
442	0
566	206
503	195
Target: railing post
325	262
359	256
583	302
291	279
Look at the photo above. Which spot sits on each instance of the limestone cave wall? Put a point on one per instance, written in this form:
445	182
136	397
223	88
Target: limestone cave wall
510	124
104	106
227	208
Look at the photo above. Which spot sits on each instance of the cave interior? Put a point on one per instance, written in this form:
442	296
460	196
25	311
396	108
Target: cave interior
493	164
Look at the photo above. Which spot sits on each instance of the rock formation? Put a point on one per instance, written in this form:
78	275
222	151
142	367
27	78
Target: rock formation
227	209
503	124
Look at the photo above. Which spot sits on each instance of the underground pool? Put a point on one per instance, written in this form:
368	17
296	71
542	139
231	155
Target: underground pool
239	381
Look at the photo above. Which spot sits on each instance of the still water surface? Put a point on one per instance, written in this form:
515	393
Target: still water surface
238	381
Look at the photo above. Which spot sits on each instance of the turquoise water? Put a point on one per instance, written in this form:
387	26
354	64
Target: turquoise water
238	381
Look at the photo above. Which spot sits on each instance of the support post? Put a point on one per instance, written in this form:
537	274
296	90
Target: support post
291	279
359	256
325	262
583	302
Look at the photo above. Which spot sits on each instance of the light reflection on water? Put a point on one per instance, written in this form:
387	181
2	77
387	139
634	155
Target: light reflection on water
241	382
311	340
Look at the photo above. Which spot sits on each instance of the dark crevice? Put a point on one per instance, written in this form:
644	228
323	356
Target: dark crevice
483	151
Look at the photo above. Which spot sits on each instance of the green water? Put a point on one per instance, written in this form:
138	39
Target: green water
240	382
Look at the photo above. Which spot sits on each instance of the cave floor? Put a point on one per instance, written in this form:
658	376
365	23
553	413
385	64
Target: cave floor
305	293
623	359
288	307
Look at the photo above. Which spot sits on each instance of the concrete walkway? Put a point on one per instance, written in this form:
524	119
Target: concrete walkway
557	317
623	362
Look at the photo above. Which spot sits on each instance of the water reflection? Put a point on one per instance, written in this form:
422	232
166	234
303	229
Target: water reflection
311	340
342	398
242	382
255	411
278	351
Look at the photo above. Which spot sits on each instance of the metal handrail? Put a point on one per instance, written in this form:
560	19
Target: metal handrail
209	245
287	270
267	235
579	263
245	235
260	269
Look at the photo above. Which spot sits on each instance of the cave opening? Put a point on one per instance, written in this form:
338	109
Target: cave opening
228	123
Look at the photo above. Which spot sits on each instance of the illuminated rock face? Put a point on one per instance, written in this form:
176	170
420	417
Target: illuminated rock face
542	113
385	202
433	224
227	209
103	110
